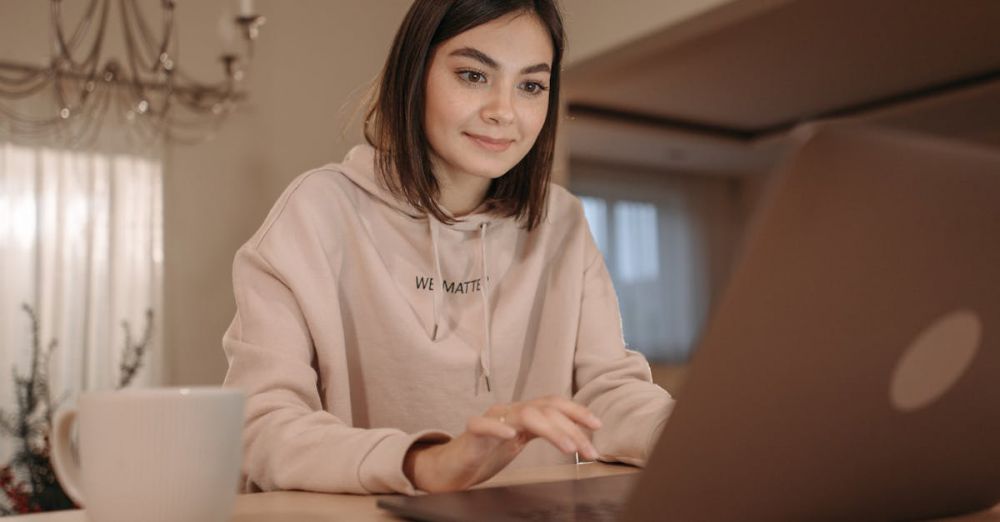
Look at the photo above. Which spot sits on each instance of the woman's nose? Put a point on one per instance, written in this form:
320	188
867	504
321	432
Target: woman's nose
499	108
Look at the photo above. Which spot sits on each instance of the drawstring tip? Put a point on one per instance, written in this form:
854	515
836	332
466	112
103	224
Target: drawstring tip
488	384
434	335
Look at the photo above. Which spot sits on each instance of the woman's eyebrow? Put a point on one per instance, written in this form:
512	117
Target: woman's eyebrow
483	58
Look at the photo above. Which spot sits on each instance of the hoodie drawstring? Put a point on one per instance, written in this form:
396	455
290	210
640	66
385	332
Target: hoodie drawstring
486	352
439	295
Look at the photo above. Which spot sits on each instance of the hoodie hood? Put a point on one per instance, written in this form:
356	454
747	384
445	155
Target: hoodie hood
359	167
456	256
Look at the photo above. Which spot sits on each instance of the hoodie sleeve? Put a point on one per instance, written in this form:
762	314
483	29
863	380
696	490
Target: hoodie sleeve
612	381
290	441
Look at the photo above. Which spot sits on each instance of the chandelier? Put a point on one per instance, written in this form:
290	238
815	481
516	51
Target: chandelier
148	90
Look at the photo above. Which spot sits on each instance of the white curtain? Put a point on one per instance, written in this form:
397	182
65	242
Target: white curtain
668	240
81	242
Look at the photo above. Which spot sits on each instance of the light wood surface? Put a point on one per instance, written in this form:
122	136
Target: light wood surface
300	506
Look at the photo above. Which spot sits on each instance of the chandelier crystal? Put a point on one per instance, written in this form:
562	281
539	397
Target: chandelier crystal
147	89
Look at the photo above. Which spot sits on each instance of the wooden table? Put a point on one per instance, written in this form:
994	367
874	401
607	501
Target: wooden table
298	506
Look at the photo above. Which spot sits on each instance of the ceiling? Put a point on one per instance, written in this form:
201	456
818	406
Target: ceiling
717	91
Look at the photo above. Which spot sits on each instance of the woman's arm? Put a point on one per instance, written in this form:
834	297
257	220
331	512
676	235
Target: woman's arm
491	441
290	441
610	380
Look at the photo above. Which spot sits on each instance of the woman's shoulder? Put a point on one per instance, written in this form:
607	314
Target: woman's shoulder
316	187
313	198
564	209
564	232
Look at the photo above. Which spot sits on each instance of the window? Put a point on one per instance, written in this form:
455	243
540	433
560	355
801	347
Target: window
81	242
667	242
637	251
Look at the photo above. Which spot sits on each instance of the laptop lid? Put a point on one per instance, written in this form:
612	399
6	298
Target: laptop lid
851	371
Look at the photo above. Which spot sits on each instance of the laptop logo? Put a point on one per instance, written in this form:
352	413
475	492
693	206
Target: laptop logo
935	360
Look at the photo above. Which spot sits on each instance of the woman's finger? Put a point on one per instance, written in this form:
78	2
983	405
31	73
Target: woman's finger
490	427
539	424
580	439
576	412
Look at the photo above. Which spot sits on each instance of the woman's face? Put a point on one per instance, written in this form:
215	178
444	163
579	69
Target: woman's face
487	96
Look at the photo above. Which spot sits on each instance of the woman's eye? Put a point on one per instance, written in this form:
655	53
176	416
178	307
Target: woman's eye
472	76
533	87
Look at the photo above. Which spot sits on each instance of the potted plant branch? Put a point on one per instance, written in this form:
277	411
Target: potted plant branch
28	483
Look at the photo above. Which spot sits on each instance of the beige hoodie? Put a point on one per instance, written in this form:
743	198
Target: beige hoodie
362	327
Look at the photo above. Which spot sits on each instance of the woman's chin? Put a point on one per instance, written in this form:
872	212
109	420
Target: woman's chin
490	172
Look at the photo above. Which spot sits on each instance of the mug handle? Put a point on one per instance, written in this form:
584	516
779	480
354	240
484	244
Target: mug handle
64	462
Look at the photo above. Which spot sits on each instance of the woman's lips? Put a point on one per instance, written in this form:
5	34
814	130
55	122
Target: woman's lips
490	144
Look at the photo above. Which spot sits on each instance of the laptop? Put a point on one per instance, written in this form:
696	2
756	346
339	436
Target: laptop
851	370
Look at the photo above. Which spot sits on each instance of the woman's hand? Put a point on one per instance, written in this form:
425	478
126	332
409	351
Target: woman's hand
492	440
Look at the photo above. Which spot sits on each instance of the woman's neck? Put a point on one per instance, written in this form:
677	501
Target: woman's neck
461	194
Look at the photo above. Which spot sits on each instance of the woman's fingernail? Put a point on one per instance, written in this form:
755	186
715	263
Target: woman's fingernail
568	446
594	421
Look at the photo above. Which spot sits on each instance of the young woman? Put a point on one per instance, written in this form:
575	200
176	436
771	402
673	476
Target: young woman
410	319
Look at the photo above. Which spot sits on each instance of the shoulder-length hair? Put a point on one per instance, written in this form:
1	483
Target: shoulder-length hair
394	123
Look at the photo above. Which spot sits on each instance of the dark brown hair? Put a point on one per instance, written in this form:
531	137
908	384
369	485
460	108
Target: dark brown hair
394	124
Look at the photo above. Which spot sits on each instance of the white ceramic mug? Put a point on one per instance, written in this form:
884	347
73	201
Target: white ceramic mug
155	455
